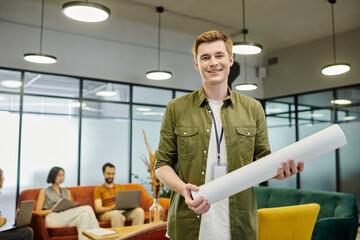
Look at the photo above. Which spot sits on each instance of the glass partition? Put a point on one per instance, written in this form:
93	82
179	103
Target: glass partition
106	91
51	85
49	138
349	159
105	138
9	141
151	95
10	81
147	119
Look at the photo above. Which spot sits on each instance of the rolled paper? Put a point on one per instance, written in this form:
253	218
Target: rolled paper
265	168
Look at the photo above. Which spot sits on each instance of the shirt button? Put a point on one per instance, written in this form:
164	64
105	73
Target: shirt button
202	173
185	133
207	130
248	133
205	151
209	111
198	216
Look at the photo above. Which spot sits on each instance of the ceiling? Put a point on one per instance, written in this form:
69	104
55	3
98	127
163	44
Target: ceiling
276	24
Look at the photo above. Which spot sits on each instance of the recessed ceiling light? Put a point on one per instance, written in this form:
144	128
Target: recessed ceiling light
106	93
11	83
77	104
142	109
316	115
349	118
275	110
340	101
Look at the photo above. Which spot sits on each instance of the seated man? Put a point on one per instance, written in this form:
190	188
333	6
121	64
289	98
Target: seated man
105	196
25	233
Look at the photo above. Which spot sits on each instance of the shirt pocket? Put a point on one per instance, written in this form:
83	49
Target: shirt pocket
187	141
245	137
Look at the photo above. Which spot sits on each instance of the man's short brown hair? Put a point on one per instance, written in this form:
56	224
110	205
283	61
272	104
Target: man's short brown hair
212	36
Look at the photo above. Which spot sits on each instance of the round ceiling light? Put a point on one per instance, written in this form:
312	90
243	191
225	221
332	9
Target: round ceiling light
40	58
86	11
335	69
158	75
246	48
246	87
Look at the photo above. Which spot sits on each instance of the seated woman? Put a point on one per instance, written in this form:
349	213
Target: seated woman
82	217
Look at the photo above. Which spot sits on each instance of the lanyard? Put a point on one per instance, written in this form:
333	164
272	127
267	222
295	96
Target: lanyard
218	141
113	198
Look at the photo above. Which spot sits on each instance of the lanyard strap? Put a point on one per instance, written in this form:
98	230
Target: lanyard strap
218	141
113	198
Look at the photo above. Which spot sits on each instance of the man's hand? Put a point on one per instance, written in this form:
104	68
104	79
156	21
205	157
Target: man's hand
288	169
199	205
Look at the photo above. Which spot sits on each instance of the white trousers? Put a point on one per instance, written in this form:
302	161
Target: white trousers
82	217
117	217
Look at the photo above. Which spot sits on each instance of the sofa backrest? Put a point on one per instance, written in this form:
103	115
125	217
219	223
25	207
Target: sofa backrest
332	204
85	194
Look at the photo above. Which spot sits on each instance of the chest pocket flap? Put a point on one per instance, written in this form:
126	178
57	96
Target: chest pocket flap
248	132
186	131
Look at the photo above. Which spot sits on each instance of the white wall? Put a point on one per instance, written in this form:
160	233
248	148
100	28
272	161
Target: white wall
299	68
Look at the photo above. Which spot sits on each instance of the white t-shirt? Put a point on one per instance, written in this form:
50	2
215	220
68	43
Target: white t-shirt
215	224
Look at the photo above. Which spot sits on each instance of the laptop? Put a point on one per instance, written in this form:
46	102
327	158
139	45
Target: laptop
127	199
25	213
23	216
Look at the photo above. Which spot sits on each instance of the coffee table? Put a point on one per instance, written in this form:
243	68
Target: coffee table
120	231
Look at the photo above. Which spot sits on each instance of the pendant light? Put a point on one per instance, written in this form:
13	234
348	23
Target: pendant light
39	57
246	48
86	11
335	68
246	86
158	74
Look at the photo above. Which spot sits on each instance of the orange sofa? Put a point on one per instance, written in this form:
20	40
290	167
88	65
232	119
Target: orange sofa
79	194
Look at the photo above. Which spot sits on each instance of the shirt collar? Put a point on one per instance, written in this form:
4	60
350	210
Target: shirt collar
203	99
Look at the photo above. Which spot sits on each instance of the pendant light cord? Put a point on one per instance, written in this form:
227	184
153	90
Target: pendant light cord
244	30
245	70
333	28
42	23
159	31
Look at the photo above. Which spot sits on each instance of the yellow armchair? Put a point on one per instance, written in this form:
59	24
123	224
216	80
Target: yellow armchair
292	222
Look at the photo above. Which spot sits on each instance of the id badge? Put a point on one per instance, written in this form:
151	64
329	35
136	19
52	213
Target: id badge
219	170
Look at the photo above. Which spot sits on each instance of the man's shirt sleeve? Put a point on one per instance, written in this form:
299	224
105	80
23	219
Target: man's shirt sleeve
166	155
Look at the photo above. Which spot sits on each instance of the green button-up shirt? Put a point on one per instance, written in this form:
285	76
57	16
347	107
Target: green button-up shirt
184	142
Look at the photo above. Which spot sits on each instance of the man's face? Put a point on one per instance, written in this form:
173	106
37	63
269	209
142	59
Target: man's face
109	174
213	62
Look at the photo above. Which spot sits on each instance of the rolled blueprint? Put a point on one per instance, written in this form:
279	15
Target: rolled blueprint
265	168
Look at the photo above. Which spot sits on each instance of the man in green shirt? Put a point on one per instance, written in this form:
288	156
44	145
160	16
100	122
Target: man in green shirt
206	134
